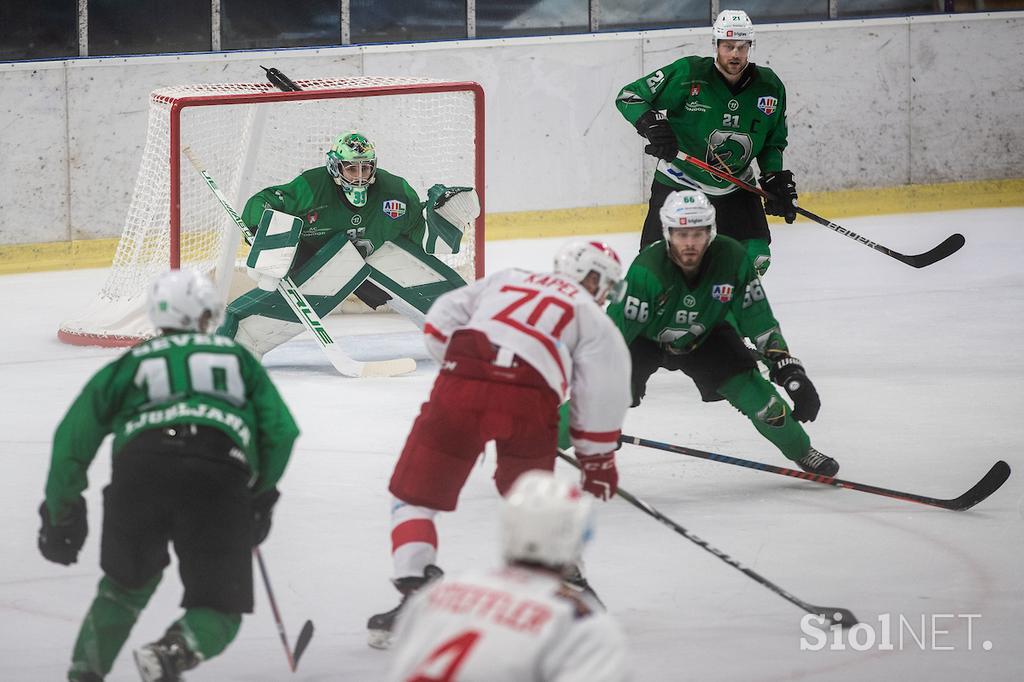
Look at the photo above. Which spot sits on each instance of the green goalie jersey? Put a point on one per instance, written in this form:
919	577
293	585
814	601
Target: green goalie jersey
662	306
392	208
179	378
713	121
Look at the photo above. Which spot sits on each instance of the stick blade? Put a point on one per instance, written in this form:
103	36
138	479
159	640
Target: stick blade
951	245
305	635
388	368
834	615
988	484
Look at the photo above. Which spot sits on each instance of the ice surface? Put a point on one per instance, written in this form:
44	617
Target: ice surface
919	373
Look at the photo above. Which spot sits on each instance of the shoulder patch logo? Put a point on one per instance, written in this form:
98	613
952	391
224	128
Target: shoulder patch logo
394	209
722	292
767	105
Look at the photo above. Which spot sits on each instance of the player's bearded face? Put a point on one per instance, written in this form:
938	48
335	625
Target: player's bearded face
688	245
733	55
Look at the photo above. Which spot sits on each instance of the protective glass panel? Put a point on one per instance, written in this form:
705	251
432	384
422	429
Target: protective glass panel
388	21
37	30
627	15
866	8
497	18
279	23
765	11
148	26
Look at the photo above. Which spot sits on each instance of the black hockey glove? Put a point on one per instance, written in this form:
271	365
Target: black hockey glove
61	542
790	374
262	511
654	126
780	184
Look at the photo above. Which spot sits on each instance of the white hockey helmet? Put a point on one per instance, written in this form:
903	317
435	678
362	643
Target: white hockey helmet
179	298
687	208
578	259
732	24
545	520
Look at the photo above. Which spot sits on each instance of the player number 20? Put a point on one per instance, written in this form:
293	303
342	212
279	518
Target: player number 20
635	310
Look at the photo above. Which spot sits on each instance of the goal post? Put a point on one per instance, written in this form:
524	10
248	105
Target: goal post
252	136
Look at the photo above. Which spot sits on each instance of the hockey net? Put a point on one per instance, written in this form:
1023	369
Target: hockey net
250	136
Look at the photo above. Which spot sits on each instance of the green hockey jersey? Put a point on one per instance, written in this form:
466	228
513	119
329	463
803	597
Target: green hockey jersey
725	126
661	305
392	208
179	378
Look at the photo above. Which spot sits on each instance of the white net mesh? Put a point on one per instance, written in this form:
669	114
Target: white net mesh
425	137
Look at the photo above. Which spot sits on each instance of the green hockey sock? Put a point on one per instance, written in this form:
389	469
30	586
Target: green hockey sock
755	397
207	631
760	254
107	625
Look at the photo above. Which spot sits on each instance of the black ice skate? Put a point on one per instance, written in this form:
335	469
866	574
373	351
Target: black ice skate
816	463
165	659
379	626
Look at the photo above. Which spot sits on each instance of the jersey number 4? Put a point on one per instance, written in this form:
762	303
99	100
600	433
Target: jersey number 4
442	664
216	374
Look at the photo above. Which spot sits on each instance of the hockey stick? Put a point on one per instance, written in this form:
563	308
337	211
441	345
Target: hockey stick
834	615
988	484
305	634
303	311
948	247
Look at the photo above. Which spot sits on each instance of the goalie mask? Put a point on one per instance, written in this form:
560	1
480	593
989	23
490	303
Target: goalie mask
687	208
181	299
352	162
545	521
578	259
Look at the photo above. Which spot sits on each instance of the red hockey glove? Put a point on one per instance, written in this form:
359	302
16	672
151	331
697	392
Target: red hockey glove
600	477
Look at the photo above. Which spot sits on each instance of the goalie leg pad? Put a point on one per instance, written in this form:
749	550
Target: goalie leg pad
411	276
757	399
261	320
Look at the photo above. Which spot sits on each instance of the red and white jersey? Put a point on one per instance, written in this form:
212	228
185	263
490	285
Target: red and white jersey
507	625
555	325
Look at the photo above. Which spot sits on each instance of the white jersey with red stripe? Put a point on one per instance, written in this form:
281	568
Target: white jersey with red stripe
507	625
554	324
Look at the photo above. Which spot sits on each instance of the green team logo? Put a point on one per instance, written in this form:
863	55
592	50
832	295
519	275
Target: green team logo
729	149
689	301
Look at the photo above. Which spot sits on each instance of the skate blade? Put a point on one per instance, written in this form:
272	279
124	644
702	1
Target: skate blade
378	639
149	666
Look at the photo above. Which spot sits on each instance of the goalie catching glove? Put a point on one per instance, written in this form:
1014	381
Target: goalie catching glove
450	212
273	248
789	373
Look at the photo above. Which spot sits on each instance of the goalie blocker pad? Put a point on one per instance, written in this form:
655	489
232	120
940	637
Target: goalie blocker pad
262	320
273	248
450	211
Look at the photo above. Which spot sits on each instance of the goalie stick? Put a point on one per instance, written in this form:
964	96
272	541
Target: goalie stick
300	306
988	484
305	635
948	247
833	615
